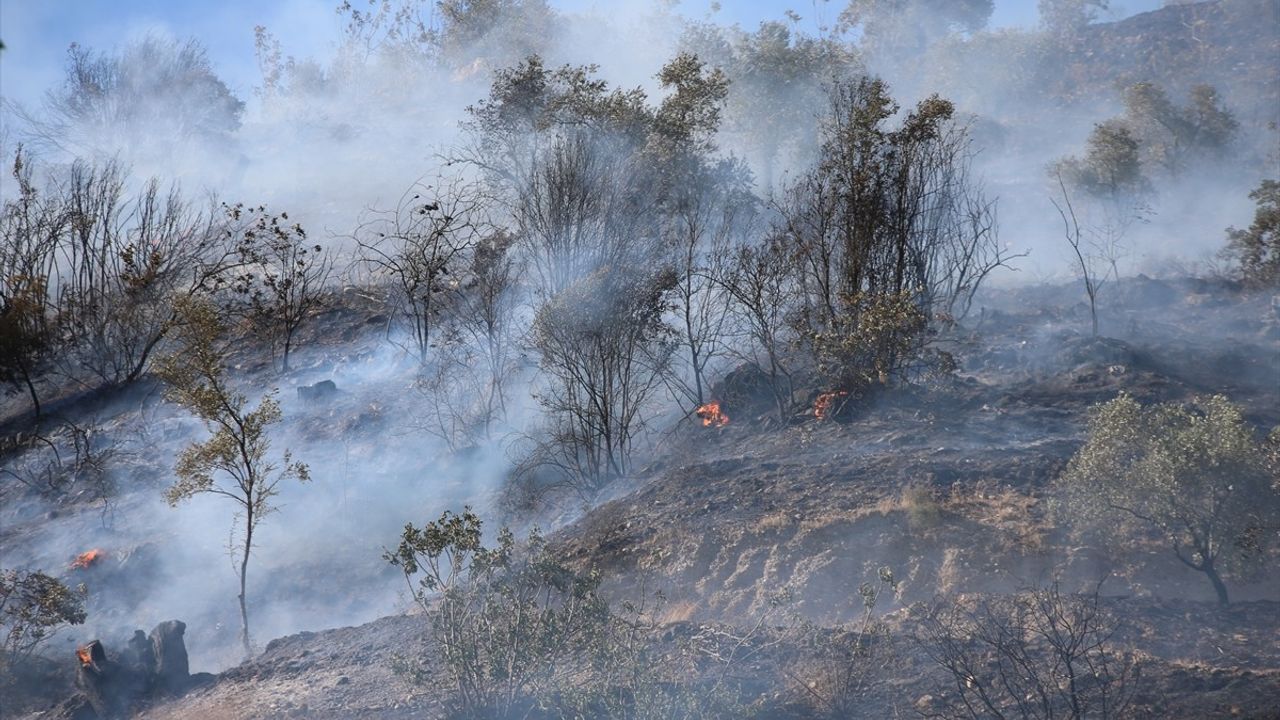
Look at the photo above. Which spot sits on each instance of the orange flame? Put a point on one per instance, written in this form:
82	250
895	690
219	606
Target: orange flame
85	655
825	404
711	415
87	558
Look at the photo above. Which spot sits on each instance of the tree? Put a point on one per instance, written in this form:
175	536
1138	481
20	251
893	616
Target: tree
420	247
762	298
1256	250
31	226
469	384
1192	476
283	274
604	348
1112	165
1086	258
1173	137
1064	18
888	215
777	77
234	462
153	93
33	606
502	619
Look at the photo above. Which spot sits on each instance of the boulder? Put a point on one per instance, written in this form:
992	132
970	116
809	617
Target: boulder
320	391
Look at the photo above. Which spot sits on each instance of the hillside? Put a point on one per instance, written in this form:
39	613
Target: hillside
596	424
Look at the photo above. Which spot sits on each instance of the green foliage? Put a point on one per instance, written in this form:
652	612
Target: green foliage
234	462
502	619
879	341
1194	477
1255	251
33	606
1112	165
1173	137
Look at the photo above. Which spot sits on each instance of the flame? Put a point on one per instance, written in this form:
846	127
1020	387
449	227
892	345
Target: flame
85	655
824	405
87	558
711	415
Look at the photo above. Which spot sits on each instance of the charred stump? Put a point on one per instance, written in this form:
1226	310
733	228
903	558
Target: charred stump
102	682
114	686
172	672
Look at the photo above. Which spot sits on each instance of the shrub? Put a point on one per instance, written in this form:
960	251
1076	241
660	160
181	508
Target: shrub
1037	654
502	618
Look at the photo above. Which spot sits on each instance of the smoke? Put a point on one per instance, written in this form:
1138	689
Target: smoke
330	129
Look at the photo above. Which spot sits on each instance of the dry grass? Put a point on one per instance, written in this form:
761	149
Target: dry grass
681	611
1016	517
777	520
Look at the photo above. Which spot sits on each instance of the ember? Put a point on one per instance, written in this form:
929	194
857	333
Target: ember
86	559
824	406
711	415
85	654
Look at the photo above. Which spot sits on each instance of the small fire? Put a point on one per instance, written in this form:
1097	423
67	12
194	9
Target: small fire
711	415
85	559
824	406
85	654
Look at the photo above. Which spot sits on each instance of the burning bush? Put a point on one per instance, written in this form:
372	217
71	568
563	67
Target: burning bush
829	404
87	559
712	415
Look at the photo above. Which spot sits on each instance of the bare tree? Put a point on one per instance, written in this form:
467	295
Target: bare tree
122	268
468	385
705	224
1086	259
234	462
587	205
762	298
421	247
1038	654
283	275
604	349
31	226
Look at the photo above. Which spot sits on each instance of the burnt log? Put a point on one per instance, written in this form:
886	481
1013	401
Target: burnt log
172	671
102	681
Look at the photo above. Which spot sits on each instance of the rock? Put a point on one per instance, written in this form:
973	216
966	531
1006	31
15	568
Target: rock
322	390
172	671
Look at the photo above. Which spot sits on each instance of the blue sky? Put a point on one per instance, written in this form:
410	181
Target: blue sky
37	32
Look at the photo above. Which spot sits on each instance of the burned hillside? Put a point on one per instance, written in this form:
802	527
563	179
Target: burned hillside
511	360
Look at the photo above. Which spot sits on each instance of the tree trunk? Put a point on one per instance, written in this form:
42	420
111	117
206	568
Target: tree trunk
31	388
244	569
1218	586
